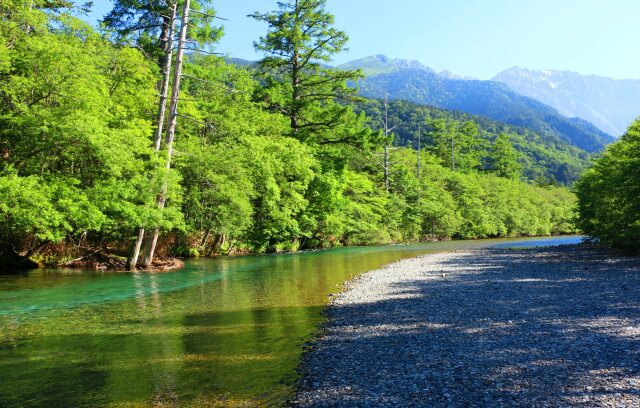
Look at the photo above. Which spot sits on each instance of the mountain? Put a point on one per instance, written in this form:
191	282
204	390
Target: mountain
240	62
486	98
450	75
380	64
610	104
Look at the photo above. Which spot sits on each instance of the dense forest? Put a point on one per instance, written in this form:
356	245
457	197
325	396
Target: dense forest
276	157
609	193
544	160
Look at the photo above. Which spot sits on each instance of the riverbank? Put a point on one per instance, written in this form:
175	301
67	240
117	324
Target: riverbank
94	261
105	260
557	326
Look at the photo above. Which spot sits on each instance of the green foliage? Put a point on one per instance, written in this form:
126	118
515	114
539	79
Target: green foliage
608	193
503	158
456	144
263	161
364	211
443	203
544	159
75	123
283	171
217	189
300	38
33	209
146	23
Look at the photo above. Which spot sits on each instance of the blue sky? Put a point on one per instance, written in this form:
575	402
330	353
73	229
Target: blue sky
476	38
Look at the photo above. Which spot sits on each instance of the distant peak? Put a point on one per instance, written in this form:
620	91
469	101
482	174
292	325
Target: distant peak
450	75
517	71
379	64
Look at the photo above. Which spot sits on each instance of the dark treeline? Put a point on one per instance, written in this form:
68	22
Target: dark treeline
609	193
265	159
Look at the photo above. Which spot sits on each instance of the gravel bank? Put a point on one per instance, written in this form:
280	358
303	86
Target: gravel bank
543	327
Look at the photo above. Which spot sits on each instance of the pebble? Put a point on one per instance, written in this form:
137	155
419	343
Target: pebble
447	330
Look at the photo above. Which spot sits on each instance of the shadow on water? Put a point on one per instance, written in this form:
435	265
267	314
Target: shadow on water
235	357
559	331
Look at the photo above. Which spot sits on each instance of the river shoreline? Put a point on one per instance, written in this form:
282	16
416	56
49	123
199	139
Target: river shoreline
551	326
95	261
108	261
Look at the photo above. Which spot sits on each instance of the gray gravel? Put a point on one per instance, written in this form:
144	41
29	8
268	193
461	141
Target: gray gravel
543	327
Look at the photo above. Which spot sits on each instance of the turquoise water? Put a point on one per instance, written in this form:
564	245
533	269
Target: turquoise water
219	332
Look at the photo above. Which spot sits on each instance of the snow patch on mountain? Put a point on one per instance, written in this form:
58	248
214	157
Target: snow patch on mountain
610	104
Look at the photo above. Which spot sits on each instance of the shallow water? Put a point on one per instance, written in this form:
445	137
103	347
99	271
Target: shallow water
219	332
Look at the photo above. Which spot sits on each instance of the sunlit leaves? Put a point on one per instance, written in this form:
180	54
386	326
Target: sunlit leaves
609	193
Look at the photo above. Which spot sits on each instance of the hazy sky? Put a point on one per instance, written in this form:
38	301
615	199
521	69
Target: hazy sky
468	37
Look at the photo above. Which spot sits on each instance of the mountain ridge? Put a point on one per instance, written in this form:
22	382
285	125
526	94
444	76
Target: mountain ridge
485	98
379	64
608	103
611	104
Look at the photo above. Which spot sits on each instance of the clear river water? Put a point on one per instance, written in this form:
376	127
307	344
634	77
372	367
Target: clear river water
226	331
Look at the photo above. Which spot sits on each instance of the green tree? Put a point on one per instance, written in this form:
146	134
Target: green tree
283	168
218	153
365	211
300	39
457	144
608	204
147	23
150	25
503	158
74	124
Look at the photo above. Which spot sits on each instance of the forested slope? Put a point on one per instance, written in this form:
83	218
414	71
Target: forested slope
544	160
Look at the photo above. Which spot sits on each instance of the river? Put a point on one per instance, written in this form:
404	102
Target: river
219	332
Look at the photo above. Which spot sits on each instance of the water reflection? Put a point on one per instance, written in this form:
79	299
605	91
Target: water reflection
219	332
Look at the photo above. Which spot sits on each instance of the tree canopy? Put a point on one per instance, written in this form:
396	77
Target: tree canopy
299	41
608	193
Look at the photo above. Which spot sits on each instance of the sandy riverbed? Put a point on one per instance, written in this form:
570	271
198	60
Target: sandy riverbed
557	326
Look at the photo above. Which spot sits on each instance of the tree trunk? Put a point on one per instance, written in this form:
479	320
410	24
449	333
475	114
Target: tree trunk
386	138
453	155
386	168
217	244
132	262
204	240
433	230
295	80
150	245
295	96
166	42
166	74
419	147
